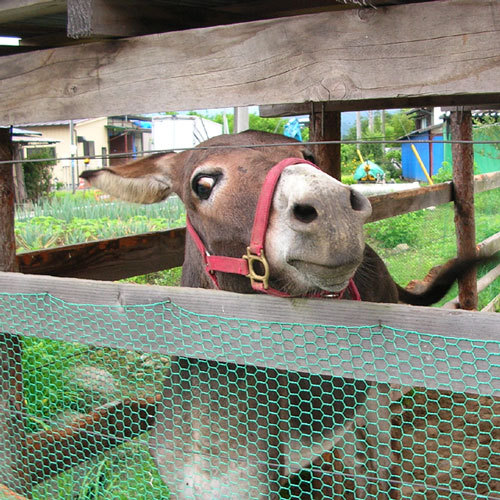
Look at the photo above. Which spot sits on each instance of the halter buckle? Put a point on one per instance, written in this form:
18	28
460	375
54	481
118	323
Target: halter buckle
254	276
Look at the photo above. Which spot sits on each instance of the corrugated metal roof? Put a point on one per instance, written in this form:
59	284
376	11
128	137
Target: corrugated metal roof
50	124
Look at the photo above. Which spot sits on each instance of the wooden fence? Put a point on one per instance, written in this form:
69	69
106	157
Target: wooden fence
146	253
425	53
133	255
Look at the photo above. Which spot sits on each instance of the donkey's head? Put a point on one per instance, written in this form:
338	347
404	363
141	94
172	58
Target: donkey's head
314	239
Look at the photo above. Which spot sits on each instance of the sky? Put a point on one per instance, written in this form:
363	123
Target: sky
8	40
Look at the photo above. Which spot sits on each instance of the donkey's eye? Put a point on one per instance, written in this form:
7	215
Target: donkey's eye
203	184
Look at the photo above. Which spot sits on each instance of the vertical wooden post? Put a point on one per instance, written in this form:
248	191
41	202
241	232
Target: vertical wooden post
325	126
7	239
463	182
19	184
12	433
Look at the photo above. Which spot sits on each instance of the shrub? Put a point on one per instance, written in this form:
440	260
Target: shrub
403	229
38	175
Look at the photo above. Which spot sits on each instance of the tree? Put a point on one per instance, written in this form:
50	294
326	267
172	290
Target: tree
38	175
396	125
256	122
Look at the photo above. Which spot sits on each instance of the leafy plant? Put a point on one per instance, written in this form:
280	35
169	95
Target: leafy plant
392	232
46	379
67	219
38	175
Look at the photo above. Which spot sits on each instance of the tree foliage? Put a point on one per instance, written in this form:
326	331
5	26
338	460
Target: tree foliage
396	125
38	175
256	122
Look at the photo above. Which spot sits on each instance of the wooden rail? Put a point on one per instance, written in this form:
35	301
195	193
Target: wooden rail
103	428
66	297
146	253
106	78
482	283
111	259
489	246
50	452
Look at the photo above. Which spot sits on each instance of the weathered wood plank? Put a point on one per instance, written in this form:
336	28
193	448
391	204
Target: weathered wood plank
268	62
486	182
463	188
200	323
11	376
482	283
489	246
296	109
109	259
492	305
53	451
392	204
18	10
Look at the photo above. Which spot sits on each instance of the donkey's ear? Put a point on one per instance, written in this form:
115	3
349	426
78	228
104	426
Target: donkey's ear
147	180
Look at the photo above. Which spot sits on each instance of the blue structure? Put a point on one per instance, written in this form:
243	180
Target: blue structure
432	154
292	129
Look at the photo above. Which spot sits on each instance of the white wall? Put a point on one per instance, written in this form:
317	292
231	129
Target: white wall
179	132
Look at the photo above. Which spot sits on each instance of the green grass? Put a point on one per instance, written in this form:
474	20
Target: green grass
128	473
431	240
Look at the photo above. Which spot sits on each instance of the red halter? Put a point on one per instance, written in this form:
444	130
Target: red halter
255	251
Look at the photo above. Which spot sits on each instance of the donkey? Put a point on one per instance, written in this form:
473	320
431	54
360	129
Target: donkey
300	233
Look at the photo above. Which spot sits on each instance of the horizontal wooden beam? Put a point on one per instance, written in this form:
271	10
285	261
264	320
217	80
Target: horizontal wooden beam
403	202
282	110
19	10
486	182
482	283
392	204
492	305
109	259
53	451
376	342
489	246
347	56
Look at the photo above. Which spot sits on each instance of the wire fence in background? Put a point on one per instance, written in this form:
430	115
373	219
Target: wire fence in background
256	146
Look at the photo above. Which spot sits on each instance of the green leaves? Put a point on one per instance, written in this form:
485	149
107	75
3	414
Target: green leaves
71	219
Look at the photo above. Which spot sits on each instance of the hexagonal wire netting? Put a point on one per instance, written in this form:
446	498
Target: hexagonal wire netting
120	415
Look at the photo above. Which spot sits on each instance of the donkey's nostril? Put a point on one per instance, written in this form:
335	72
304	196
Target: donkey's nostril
304	213
359	203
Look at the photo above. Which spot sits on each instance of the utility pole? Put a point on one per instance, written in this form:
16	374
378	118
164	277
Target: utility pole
241	119
371	121
72	152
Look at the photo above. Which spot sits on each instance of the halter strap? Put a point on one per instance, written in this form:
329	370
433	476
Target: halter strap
255	252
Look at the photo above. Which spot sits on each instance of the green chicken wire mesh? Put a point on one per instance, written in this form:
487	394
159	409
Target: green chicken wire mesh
250	410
